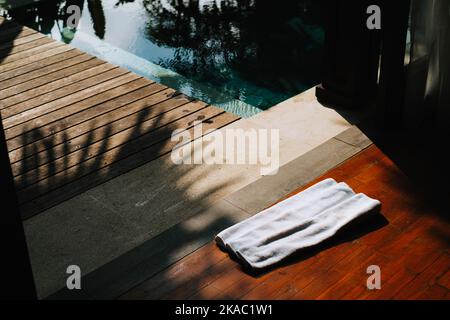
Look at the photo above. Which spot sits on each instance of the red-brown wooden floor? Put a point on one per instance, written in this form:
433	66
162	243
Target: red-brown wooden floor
411	250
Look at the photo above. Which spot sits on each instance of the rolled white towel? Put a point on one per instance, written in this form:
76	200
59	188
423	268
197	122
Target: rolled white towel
299	222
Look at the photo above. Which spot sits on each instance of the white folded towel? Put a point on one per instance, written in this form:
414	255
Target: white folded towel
299	222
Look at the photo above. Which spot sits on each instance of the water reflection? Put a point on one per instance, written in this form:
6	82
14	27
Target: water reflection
251	50
43	16
98	17
274	46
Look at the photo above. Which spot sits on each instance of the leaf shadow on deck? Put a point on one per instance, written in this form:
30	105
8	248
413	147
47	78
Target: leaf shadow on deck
48	159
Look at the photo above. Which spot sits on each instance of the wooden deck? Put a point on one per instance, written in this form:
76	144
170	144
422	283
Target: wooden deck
411	250
73	121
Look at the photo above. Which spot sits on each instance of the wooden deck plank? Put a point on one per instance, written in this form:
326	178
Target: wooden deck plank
102	132
34	59
351	280
444	279
38	69
25	55
411	251
122	132
75	92
102	115
319	271
409	263
40	75
51	113
73	121
179	274
51	82
19	41
413	258
28	45
14	32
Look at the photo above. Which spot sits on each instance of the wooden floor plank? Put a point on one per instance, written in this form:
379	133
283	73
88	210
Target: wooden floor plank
318	271
25	55
444	279
28	45
14	32
405	267
352	279
39	76
426	279
101	132
55	80
113	136
51	113
413	258
38	69
60	97
99	116
34	59
196	282
19	41
179	274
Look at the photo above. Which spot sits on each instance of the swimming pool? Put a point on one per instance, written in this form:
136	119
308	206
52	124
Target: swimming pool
244	56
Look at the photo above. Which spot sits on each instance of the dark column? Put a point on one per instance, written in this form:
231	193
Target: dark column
391	96
15	269
351	56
